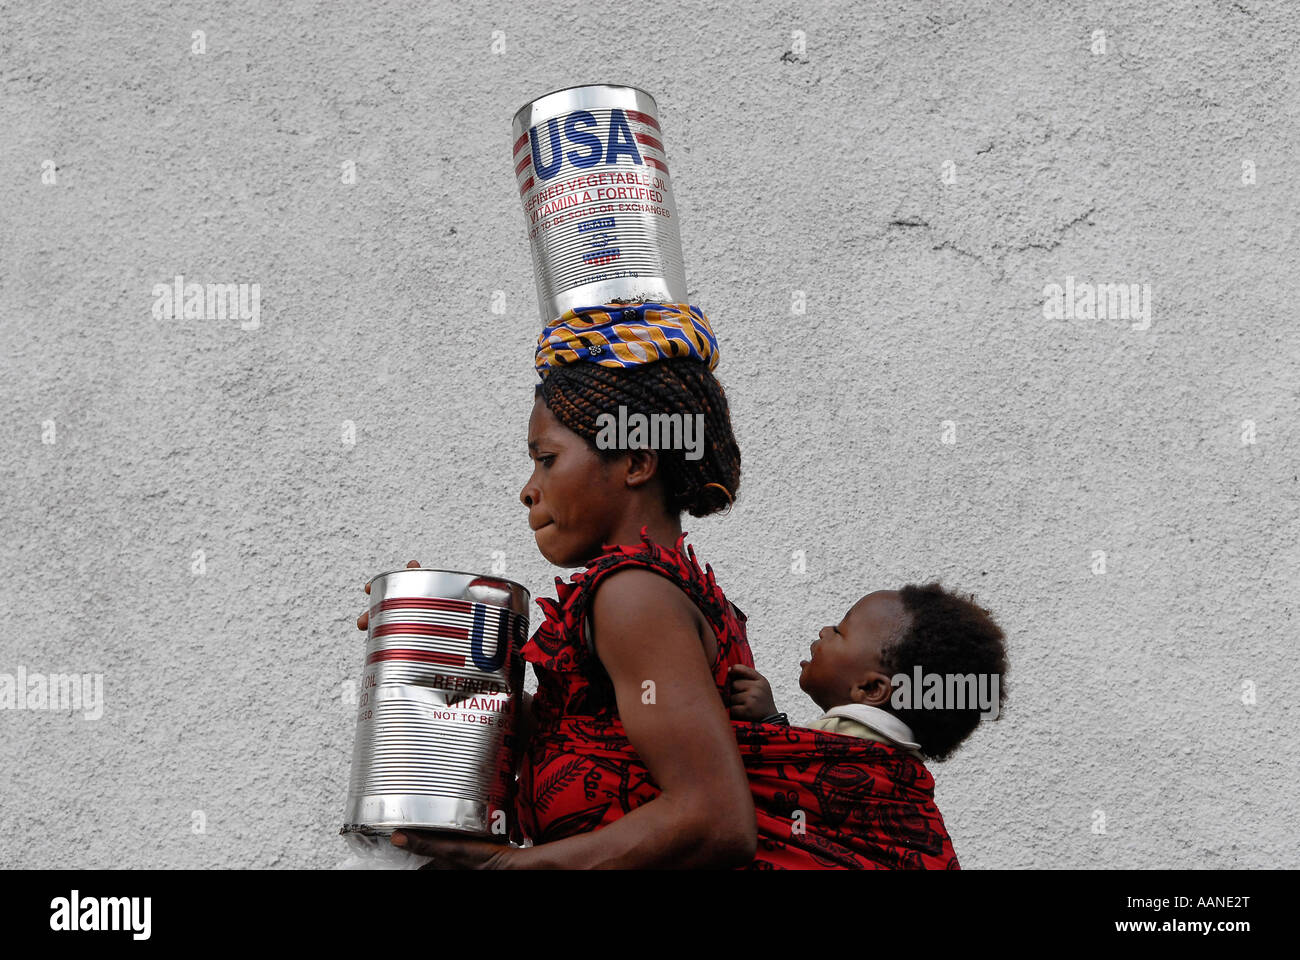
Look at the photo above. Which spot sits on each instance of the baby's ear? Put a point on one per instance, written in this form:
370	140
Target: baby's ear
875	689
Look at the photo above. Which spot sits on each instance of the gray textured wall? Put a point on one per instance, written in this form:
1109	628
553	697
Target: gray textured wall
1149	701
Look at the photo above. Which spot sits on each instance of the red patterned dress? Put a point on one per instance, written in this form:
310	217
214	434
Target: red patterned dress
823	800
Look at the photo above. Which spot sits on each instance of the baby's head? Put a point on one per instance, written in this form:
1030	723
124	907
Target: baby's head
913	633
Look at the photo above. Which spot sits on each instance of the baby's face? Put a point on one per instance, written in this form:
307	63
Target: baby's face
845	664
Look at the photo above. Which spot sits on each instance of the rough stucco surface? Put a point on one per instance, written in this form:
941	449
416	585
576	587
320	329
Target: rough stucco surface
819	172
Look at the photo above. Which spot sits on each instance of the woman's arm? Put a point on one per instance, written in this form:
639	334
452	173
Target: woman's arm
647	640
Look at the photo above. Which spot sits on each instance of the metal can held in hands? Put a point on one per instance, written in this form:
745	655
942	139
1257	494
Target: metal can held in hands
598	201
437	706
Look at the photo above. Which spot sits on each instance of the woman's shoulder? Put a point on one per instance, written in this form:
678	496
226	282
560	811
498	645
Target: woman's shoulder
677	564
567	616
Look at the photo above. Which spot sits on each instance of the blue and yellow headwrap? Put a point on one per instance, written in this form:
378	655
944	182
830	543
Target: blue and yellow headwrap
627	335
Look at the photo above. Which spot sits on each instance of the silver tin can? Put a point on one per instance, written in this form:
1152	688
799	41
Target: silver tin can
436	712
598	202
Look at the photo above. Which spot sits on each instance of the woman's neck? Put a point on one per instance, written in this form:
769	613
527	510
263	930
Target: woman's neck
662	529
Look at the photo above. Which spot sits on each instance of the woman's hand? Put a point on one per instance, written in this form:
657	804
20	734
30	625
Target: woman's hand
363	621
751	694
452	852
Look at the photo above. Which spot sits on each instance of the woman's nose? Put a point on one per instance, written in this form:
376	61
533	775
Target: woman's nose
528	495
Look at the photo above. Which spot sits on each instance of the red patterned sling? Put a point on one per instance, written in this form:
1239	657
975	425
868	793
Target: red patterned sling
823	801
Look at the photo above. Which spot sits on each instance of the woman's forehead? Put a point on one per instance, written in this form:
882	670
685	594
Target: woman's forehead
542	424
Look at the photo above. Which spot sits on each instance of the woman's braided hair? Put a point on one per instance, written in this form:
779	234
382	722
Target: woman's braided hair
577	393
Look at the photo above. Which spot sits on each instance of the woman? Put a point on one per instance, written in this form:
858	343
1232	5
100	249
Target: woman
631	759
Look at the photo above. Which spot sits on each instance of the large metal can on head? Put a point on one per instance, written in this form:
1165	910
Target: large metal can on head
435	746
598	202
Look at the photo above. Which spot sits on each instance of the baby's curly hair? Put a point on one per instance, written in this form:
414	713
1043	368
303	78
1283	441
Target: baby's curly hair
948	634
578	393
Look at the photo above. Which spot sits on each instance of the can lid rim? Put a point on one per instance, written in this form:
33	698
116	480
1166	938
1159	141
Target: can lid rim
583	86
463	573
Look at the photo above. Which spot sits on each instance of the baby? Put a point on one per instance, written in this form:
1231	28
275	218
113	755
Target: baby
915	668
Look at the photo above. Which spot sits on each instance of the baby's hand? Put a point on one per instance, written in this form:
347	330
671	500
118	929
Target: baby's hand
751	696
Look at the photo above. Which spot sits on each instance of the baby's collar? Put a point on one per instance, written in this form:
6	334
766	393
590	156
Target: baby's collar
882	721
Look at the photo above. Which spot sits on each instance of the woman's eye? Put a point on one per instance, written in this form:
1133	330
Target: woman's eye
546	460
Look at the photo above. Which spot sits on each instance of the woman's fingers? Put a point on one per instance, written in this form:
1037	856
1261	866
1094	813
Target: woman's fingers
740	670
413	841
448	852
363	621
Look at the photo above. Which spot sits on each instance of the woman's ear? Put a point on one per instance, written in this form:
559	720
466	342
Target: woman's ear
642	466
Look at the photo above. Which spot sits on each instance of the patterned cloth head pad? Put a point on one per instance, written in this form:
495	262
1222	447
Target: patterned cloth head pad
627	335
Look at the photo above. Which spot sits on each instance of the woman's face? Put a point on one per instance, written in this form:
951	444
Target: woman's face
573	496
